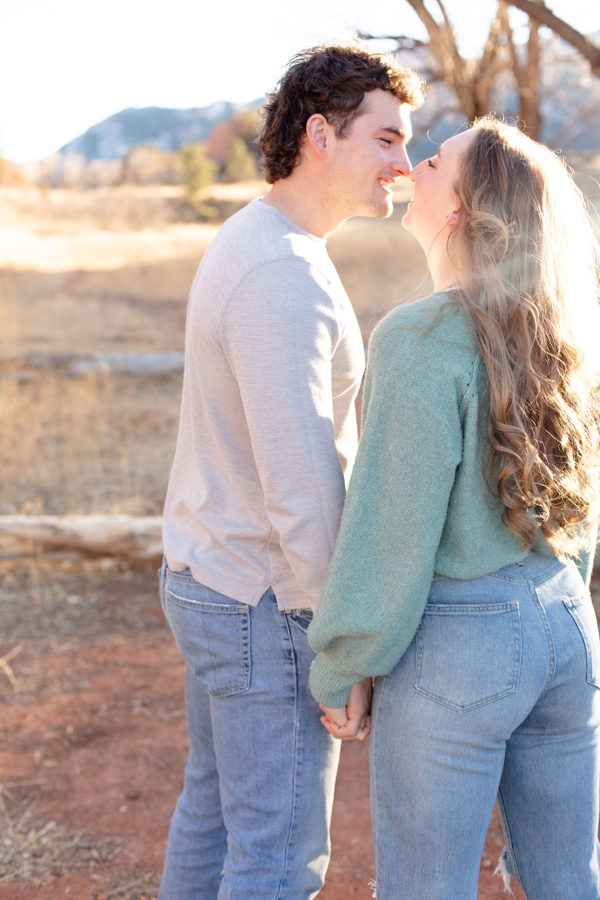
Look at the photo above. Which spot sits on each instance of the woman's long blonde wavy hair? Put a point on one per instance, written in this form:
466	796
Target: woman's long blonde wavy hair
529	279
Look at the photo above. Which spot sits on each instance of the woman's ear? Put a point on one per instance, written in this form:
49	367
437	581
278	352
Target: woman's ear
452	218
316	134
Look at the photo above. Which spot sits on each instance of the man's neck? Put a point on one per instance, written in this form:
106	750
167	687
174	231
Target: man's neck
302	201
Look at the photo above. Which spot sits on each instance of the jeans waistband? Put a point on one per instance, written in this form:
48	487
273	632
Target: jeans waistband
535	567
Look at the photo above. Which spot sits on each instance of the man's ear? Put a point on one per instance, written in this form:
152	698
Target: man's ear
317	130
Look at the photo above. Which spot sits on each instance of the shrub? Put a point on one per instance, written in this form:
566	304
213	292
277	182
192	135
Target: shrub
240	162
198	172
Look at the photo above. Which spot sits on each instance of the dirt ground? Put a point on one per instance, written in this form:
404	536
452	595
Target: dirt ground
94	742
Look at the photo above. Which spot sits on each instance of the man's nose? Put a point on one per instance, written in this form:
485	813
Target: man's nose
402	163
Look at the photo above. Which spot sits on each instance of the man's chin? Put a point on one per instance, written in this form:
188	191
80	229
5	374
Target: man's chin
378	209
385	210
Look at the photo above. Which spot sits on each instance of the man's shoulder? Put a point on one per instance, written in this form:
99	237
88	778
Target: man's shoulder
258	235
259	252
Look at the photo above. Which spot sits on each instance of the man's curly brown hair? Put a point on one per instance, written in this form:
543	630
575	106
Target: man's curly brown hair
330	79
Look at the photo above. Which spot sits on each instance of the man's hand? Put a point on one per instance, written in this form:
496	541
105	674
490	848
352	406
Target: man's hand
353	721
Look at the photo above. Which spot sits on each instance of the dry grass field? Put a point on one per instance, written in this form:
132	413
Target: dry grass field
90	680
92	272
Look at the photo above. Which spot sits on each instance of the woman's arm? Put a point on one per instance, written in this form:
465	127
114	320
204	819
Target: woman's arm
383	562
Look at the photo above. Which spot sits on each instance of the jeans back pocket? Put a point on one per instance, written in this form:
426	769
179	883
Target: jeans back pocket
213	637
468	654
584	616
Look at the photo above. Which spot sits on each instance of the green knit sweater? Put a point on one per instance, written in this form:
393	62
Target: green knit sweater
418	507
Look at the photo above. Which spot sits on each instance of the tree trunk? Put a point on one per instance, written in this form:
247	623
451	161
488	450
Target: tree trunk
544	16
529	85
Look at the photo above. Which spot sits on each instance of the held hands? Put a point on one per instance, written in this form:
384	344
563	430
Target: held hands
353	721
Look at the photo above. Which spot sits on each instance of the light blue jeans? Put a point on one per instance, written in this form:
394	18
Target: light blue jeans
252	822
497	695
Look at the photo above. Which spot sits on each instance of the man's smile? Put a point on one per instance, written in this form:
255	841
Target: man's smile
386	184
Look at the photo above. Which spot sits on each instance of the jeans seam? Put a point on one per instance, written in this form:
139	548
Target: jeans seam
509	841
295	778
162	577
591	676
226	609
373	752
549	637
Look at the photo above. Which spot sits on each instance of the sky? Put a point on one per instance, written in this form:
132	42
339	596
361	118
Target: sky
67	64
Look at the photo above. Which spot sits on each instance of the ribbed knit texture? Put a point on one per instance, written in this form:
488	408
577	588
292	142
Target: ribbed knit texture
418	507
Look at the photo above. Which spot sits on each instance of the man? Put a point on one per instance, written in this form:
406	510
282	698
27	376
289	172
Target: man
267	438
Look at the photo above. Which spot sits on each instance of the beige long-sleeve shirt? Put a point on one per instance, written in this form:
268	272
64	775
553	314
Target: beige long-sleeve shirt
267	436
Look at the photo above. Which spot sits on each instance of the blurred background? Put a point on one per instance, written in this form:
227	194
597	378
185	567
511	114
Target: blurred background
127	136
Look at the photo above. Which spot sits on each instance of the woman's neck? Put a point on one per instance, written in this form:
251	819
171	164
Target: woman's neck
444	272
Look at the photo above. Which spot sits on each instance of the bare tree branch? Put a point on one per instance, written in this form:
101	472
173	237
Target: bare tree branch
404	42
492	62
472	80
442	46
514	62
433	29
526	72
445	15
540	13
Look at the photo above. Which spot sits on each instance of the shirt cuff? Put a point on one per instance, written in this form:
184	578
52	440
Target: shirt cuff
329	683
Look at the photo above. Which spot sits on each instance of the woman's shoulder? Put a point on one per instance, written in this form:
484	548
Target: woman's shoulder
436	327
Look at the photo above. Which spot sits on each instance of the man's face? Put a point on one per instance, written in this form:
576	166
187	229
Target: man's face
363	165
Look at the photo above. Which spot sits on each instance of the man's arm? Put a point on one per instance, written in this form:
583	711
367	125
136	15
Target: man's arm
279	331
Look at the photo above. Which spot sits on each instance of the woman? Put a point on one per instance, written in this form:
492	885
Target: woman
454	579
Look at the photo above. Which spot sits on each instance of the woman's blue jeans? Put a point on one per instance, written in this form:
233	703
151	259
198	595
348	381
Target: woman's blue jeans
498	695
252	822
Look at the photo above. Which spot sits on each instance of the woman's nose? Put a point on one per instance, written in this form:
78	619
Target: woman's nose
402	164
414	174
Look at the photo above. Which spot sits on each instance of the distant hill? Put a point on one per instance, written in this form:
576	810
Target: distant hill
154	126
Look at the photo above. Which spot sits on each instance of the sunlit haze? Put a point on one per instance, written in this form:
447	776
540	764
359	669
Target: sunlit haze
69	64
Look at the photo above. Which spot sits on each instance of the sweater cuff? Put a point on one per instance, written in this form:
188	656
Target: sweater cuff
329	686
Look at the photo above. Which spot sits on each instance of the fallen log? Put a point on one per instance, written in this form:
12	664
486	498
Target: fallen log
69	365
125	537
131	363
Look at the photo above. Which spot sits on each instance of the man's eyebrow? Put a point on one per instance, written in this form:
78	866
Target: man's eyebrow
393	129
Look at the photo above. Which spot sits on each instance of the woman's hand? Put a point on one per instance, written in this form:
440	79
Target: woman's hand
353	721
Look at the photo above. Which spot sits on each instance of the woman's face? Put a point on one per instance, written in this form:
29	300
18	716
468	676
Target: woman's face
435	205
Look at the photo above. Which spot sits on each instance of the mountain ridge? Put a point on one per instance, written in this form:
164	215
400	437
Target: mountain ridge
164	128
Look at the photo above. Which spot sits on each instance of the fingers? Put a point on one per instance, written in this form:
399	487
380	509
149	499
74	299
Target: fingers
353	730
337	716
353	721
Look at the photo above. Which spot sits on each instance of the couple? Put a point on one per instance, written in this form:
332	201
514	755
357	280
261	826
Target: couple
458	580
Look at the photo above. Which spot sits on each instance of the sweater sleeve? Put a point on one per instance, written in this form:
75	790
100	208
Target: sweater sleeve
383	563
279	333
